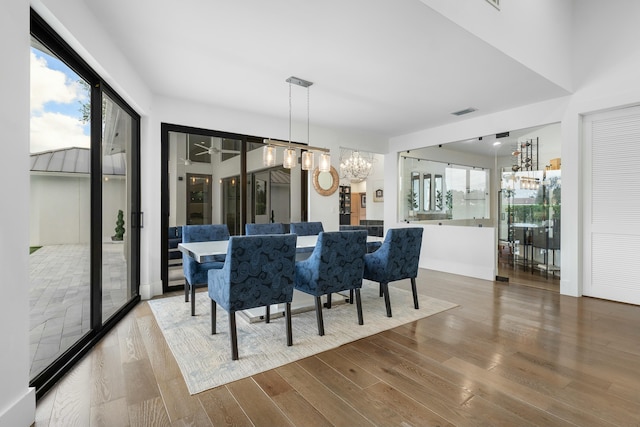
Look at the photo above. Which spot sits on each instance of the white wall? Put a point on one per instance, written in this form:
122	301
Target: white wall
470	257
536	33
17	400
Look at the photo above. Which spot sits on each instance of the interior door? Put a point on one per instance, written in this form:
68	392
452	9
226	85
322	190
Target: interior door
611	205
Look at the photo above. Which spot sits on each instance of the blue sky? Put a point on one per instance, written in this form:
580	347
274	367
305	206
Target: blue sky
56	98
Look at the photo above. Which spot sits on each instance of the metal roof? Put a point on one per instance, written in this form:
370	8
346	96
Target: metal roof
76	160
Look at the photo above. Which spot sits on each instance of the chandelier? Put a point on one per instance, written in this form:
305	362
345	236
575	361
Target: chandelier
290	159
355	167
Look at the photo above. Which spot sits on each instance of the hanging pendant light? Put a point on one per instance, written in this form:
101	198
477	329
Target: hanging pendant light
289	161
308	160
325	162
269	155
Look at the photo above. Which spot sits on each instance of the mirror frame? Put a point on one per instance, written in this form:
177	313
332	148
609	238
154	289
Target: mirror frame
334	184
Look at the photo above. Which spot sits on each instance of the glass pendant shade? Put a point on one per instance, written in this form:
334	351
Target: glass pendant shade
269	155
290	160
325	162
307	160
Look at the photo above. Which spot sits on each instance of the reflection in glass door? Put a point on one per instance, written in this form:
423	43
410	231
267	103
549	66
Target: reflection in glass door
198	199
118	236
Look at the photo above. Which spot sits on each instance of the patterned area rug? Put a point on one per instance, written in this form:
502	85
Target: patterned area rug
205	359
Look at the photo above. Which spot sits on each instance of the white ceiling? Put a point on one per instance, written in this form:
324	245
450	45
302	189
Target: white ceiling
384	66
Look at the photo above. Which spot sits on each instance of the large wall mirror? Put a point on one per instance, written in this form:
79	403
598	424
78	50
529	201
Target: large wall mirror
326	183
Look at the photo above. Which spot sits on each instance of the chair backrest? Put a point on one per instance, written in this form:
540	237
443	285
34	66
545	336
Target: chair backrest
260	270
204	233
399	255
251	229
306	228
194	272
337	261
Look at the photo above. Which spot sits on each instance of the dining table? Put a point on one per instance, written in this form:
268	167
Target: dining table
206	252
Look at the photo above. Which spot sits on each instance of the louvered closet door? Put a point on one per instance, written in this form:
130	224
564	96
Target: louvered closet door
612	205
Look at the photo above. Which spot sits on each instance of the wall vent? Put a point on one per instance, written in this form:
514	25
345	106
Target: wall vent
465	111
495	3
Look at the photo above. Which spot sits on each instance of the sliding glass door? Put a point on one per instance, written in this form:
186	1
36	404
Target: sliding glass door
212	177
84	214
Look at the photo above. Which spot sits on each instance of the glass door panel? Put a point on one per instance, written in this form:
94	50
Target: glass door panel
60	213
117	229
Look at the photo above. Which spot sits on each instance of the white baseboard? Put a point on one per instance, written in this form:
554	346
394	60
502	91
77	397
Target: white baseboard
22	412
150	290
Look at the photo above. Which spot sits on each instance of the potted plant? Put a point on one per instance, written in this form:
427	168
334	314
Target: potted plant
119	227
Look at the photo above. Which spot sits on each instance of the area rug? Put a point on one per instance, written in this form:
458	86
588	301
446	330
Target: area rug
205	359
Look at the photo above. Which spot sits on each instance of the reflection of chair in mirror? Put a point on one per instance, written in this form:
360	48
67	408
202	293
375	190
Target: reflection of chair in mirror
268	228
336	264
195	273
258	271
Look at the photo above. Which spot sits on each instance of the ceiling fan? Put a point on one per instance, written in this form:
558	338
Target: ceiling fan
212	149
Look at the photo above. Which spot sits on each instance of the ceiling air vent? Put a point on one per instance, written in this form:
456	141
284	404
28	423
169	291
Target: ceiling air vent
465	111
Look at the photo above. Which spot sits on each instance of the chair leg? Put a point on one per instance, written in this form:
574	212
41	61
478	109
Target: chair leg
234	335
186	290
359	306
193	300
267	314
213	317
287	314
387	303
319	316
414	289
350	296
381	291
328	304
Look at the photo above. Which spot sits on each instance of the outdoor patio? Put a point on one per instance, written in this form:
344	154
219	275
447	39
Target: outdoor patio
59	296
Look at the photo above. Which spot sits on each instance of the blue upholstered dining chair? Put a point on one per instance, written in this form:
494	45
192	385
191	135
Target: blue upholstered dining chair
251	229
336	264
396	259
195	273
306	228
371	246
258	271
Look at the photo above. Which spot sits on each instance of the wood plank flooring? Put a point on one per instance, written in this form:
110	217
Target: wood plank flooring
509	355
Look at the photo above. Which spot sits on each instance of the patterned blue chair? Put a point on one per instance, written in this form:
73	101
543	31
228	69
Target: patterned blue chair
306	228
396	259
269	228
371	246
336	264
195	273
258	271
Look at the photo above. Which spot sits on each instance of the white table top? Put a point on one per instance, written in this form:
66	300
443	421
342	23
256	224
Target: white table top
203	251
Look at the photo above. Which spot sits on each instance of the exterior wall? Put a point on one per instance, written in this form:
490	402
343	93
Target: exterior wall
17	400
60	212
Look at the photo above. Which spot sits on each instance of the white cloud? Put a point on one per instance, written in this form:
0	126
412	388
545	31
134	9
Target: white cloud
51	85
51	131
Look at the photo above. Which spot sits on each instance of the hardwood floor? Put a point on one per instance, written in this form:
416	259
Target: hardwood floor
509	355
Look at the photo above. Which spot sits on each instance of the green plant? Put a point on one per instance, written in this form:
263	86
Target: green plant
412	199
449	200
119	226
438	200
